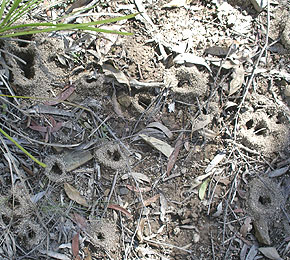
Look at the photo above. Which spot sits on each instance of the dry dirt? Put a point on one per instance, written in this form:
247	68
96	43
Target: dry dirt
172	143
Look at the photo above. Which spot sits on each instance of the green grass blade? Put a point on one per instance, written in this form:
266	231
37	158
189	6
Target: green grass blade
22	149
61	26
68	26
15	5
2	9
23	10
62	29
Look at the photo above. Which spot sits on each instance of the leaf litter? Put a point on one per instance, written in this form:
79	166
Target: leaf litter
170	194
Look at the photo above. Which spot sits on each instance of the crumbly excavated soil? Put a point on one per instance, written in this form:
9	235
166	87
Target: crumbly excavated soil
130	207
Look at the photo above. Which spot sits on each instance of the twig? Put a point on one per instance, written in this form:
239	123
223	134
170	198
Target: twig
249	83
111	193
167	245
226	207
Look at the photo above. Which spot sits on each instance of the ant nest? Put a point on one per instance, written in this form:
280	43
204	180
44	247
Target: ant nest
55	170
110	155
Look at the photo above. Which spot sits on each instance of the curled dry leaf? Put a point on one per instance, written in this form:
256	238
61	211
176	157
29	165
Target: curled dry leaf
190	59
111	71
61	96
121	209
161	127
74	195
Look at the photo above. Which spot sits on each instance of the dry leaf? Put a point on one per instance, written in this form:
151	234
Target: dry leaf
55	255
61	96
173	157
215	161
270	252
137	176
80	220
163	207
246	227
116	105
161	127
150	200
190	59
219	210
75	245
88	254
237	81
111	71
121	209
135	189
140	230
74	195
161	146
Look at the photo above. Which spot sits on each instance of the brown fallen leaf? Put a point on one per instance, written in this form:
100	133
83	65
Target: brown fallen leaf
74	195
116	105
135	189
68	90
150	200
80	220
75	245
88	254
121	209
173	156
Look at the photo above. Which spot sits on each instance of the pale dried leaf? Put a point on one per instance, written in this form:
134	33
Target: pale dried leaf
246	227
190	59
161	146
219	210
238	77
175	3
136	175
35	198
163	207
74	195
140	229
201	122
278	172
54	254
215	161
111	71
270	252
